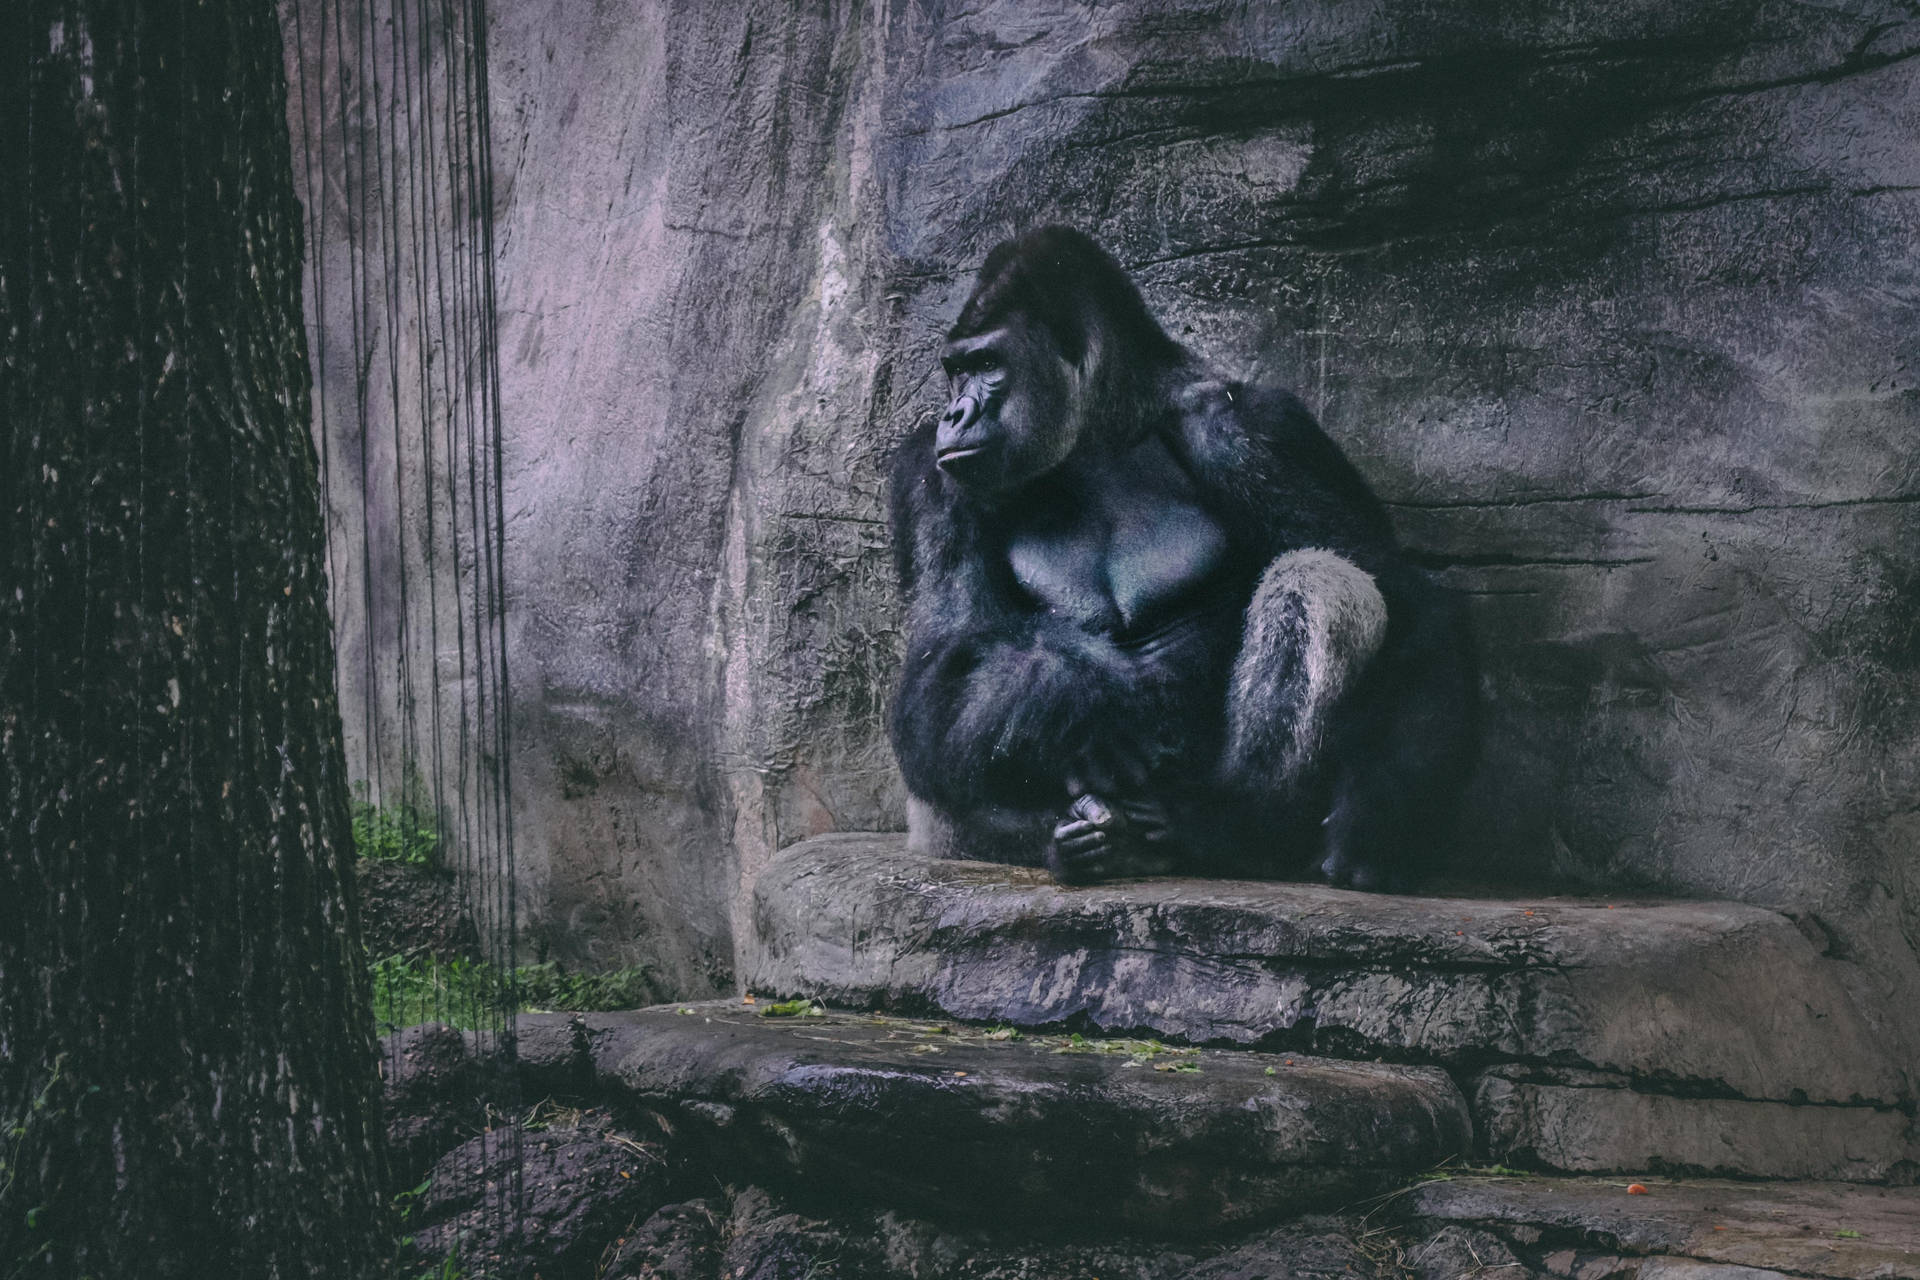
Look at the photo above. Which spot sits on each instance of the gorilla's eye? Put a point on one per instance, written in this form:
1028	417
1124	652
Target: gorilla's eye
986	362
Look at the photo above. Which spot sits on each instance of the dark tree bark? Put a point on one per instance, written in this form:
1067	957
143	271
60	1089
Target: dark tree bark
187	1070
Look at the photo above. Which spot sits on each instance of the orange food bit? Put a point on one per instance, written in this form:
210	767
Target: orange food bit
1636	1189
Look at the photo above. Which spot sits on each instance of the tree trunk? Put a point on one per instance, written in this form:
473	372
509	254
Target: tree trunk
188	1077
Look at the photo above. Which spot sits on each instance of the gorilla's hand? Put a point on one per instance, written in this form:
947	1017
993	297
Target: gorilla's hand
1098	840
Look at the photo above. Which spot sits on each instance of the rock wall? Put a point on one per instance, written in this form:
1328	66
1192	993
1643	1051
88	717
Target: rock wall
1612	302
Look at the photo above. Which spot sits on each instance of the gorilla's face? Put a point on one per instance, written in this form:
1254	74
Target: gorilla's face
1010	418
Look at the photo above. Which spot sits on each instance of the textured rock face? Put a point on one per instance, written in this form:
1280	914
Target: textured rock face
1706	1229
578	1186
1707	996
1119	1135
1594	1124
1682	1036
1612	302
719	1141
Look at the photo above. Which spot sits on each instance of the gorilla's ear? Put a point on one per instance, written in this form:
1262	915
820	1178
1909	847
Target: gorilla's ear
1090	376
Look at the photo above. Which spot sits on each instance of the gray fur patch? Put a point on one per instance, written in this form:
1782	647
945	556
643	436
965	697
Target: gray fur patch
1316	620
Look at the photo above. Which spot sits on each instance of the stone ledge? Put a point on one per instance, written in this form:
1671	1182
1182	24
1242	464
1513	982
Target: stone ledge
1182	1142
1599	1124
1694	997
1704	1228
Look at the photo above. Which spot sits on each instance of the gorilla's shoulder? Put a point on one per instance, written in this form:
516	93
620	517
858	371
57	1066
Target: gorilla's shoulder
1235	423
1264	440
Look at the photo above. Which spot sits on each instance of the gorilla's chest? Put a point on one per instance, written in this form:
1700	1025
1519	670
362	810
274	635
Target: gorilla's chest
1127	550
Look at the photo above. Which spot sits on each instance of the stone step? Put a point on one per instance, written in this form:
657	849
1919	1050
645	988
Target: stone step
1122	1135
1702	1036
1702	1229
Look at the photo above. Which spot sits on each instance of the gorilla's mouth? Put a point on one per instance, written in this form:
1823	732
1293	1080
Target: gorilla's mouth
946	458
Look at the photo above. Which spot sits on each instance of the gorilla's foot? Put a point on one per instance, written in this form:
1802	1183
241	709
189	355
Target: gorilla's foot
1102	840
1366	855
1346	870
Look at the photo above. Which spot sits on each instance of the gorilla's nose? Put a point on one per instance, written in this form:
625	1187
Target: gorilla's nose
959	415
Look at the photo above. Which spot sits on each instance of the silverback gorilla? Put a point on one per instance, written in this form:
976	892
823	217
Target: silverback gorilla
1156	620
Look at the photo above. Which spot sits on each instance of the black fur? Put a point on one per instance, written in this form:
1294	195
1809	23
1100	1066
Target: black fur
1009	707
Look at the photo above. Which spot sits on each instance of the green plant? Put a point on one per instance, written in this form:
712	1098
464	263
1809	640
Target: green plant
792	1009
404	1202
550	987
469	994
404	831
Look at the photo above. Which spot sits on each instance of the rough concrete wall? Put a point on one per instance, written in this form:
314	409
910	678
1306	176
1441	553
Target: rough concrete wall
1613	302
701	631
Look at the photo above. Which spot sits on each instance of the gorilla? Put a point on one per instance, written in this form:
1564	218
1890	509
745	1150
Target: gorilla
1156	621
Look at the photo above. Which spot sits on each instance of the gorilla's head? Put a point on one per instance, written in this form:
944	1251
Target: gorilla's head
1053	348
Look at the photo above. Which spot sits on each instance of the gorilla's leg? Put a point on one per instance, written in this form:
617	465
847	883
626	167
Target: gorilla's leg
1401	750
1315	622
995	835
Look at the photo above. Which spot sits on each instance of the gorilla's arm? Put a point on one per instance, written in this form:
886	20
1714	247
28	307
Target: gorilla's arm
997	704
986	716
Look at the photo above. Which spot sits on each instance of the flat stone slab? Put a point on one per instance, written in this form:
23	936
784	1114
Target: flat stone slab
1122	1134
1595	1122
1690	1230
1693	998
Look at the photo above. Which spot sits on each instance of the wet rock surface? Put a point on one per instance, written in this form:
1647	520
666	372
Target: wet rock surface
1588	1036
1024	1128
